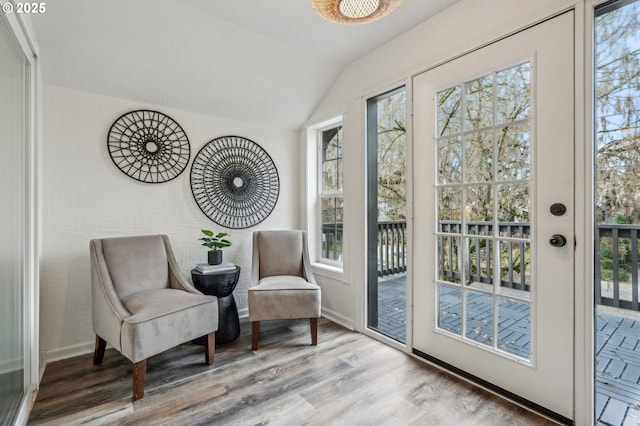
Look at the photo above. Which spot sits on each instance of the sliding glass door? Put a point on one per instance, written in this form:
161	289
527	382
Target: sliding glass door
13	224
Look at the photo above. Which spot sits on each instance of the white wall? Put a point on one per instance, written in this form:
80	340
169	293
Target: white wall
464	26
85	196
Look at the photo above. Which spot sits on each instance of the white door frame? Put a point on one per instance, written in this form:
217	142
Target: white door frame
584	218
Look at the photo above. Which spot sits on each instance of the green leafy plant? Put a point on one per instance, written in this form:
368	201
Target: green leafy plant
214	241
607	274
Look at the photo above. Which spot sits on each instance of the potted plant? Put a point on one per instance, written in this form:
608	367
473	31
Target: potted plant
215	242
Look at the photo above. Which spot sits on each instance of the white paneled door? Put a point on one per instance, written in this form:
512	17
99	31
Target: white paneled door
494	211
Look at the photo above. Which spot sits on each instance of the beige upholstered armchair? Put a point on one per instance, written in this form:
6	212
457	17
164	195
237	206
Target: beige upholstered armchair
142	305
282	284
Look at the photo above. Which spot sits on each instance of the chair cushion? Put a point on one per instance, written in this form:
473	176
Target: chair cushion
284	297
280	253
136	263
164	318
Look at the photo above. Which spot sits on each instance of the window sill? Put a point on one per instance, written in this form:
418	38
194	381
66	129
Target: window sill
329	271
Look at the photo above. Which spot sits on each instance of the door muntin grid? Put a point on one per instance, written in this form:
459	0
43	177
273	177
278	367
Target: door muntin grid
483	203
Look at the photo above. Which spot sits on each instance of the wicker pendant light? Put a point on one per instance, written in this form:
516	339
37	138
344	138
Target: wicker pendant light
354	11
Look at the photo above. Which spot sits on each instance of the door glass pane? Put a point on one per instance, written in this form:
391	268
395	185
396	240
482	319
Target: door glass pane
485	201
12	224
449	258
513	94
515	268
479	317
513	204
514	146
387	219
450	206
514	327
449	111
478	157
478	99
479	205
449	159
479	260
617	210
450	309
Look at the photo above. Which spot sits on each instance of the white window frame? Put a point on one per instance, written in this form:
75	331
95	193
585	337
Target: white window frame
312	207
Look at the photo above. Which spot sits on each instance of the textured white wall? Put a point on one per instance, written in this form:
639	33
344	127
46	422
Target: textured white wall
85	196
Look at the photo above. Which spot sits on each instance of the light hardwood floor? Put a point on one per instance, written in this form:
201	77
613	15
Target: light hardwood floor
348	379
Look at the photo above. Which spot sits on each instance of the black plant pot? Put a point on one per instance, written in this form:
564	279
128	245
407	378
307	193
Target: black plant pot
214	257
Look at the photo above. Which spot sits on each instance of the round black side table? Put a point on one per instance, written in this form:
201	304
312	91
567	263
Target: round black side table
221	284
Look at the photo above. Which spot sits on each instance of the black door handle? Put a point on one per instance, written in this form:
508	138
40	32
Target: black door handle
558	240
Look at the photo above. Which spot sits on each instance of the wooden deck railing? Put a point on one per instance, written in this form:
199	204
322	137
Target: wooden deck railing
479	262
392	247
616	265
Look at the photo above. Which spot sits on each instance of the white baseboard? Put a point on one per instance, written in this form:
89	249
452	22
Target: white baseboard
43	367
338	319
70	351
42	362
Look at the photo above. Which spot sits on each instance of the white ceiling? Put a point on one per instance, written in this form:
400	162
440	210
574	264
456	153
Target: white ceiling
266	61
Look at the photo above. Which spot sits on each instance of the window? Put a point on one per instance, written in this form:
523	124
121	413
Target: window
331	172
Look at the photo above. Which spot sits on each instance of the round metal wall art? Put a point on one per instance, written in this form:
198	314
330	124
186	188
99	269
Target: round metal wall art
234	182
148	146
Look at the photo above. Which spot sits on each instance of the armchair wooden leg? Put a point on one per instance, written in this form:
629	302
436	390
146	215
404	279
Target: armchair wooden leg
139	370
209	347
255	335
98	352
314	331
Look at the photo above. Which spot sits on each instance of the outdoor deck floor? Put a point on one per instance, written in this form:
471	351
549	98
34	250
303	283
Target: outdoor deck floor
617	352
513	328
392	307
617	370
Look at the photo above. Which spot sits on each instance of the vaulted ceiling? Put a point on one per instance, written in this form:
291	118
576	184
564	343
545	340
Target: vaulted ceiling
268	61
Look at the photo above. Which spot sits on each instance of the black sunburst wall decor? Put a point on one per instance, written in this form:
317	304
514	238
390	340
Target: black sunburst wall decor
148	146
234	182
